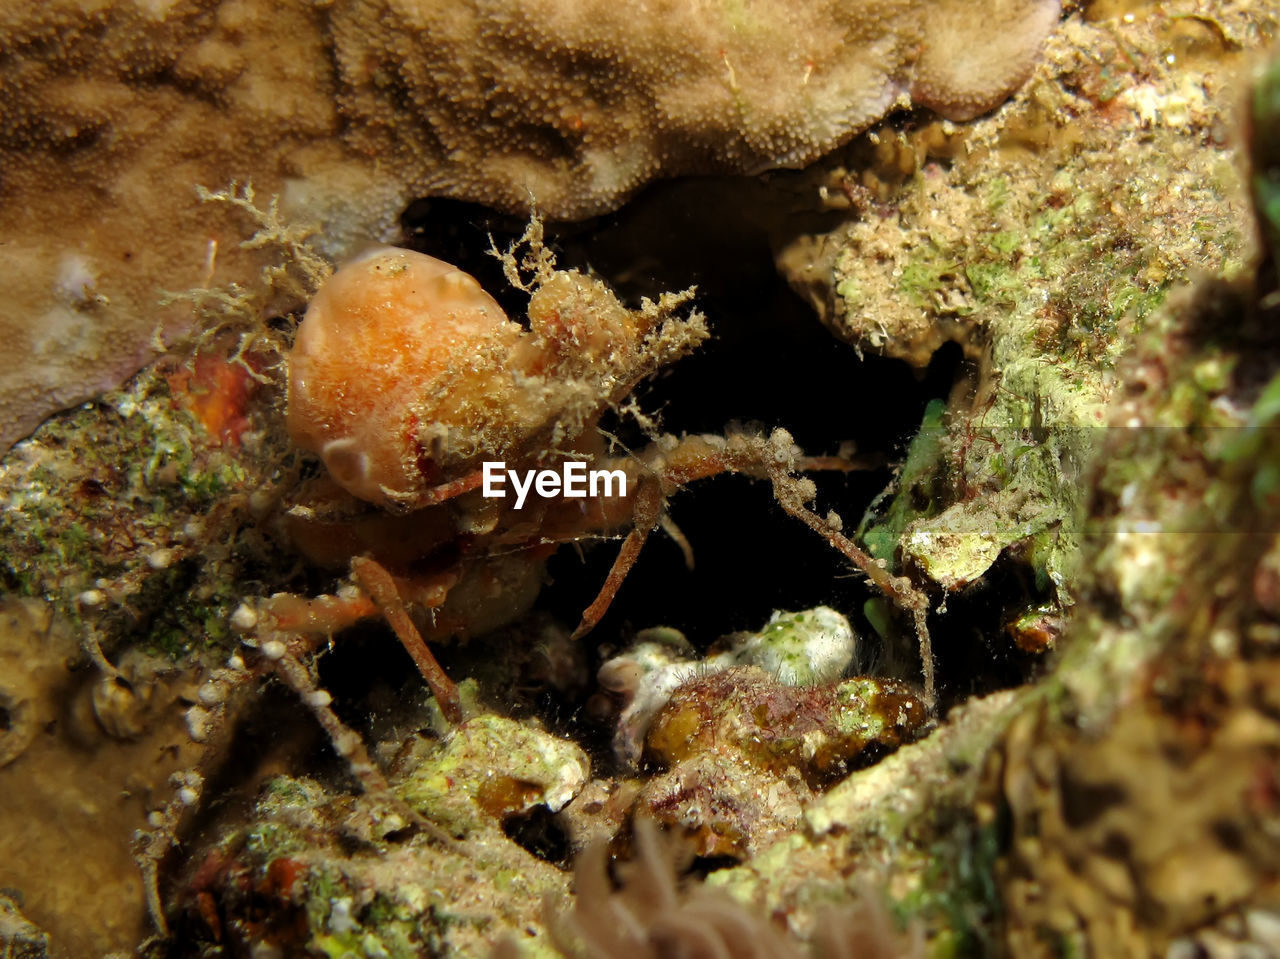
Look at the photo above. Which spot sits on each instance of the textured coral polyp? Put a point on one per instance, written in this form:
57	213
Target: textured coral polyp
596	98
969	62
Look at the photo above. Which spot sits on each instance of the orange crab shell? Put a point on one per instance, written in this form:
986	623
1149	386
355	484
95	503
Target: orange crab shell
387	373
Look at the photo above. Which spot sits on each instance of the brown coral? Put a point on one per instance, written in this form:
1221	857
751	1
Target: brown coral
115	112
816	730
577	105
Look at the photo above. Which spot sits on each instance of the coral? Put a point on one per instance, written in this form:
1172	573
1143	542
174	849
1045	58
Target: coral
1139	775
799	649
991	239
113	117
814	646
815	729
651	916
958	545
726	804
913	825
748	732
1247	933
141	530
313	872
27	677
648	916
1116	796
618	93
1163	817
83	759
992	234
125	526
493	768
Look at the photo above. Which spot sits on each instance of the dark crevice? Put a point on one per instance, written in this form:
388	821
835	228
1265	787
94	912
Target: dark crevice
540	833
770	363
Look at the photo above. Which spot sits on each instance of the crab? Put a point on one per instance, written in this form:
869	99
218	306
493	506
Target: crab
405	379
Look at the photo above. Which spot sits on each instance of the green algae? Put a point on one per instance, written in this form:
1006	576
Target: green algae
112	505
914	494
1052	251
909	829
492	767
297	876
1041	249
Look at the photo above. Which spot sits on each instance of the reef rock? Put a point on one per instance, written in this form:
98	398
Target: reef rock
576	105
114	113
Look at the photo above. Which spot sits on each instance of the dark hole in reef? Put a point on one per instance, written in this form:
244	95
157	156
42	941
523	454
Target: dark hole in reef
539	832
377	689
703	866
1084	803
375	685
1231	836
6	719
974	651
770	363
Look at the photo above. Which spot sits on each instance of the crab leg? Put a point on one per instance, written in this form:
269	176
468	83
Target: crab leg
898	588
691	458
374	579
648	511
774	458
323	614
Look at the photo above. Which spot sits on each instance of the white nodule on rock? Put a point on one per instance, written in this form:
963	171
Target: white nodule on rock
799	649
244	618
197	724
75	280
346	743
318	699
92	597
341	921
160	558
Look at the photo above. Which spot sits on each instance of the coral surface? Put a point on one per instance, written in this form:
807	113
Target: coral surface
1061	306
115	113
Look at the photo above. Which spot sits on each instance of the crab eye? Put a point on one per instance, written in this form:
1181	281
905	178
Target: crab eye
347	463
